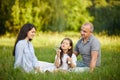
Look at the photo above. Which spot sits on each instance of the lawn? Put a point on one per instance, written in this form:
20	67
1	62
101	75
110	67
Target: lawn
44	44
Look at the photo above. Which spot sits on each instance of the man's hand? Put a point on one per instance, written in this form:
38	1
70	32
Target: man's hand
75	52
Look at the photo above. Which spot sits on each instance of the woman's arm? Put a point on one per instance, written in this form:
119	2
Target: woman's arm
18	54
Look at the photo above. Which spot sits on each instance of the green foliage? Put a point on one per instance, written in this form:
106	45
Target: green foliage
55	16
60	15
5	15
76	13
107	16
47	15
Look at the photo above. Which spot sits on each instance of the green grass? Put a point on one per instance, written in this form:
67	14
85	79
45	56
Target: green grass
44	44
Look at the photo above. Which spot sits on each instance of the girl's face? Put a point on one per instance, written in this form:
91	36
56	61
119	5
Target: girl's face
65	45
31	33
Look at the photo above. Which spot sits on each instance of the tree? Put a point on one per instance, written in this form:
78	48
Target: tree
106	16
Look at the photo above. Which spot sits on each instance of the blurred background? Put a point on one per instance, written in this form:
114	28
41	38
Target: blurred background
55	20
60	15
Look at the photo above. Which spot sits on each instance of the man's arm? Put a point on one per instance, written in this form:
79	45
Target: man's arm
93	61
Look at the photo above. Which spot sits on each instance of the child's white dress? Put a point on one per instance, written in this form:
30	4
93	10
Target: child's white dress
65	65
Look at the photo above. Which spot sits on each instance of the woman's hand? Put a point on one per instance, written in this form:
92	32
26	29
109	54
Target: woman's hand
37	69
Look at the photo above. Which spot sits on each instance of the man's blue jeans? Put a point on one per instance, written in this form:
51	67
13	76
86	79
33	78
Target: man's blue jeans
81	64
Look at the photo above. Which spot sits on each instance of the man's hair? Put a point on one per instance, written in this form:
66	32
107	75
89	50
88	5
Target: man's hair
89	24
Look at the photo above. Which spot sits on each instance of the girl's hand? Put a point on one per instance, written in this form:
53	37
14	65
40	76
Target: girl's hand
58	52
69	60
70	63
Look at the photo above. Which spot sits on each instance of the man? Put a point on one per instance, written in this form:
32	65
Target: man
88	47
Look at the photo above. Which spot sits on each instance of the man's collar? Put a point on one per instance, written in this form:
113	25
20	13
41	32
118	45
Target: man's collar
88	39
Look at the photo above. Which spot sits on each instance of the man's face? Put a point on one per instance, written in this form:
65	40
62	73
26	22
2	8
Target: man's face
85	31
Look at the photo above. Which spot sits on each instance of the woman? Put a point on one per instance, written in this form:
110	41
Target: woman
24	51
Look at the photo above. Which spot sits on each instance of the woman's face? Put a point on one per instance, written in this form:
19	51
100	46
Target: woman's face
31	33
65	45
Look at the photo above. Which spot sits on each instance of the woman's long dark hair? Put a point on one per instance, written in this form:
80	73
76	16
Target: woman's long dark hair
23	34
70	51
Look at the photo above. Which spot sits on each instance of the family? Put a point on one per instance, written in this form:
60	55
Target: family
66	57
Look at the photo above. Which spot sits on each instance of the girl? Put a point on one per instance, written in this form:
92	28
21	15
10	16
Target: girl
65	58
